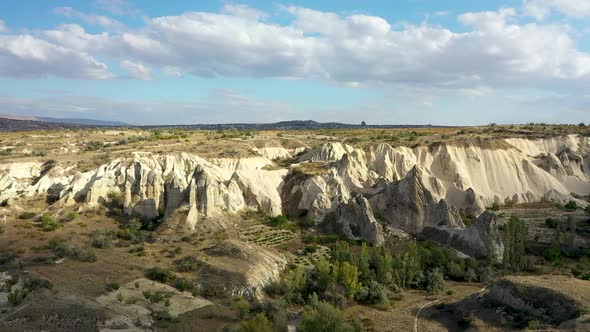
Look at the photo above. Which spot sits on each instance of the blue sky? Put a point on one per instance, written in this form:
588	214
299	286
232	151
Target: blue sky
410	62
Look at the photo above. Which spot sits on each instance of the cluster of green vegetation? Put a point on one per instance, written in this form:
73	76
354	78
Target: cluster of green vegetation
61	248
16	297
243	134
5	152
94	146
36	153
48	223
375	275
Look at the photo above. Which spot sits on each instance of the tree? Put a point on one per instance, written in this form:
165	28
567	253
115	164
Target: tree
363	123
322	274
323	318
297	279
406	267
341	252
257	324
243	307
348	276
434	281
363	261
515	235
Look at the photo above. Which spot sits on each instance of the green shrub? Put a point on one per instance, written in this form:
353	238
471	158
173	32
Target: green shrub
17	297
100	239
434	281
157	296
72	216
495	207
324	317
27	215
159	274
571	206
552	253
186	264
551	223
112	286
257	324
37	283
48	223
278	220
182	284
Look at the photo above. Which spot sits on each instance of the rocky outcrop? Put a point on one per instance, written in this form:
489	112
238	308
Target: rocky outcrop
241	269
327	152
355	220
408	204
411	189
482	239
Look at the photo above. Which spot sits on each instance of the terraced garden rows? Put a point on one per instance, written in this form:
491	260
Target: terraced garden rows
308	258
266	236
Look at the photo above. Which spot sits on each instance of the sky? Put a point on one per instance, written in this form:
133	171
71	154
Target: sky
443	62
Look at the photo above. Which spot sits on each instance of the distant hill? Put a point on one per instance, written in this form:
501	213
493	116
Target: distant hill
286	125
86	122
17	123
27	125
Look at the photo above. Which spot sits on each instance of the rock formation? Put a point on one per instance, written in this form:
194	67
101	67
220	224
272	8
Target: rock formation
361	191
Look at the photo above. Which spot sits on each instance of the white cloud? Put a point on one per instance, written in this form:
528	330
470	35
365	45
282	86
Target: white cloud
243	11
93	19
3	27
137	70
494	51
540	9
24	56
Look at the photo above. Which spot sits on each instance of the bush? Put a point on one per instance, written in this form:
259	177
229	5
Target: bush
183	284
434	281
162	316
324	317
48	223
374	293
112	286
157	296
17	297
552	254
27	215
551	223
37	283
100	239
186	264
72	216
278	220
571	206
495	207
159	274
257	324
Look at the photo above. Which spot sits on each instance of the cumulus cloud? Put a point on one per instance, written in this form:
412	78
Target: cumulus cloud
494	49
540	9
137	70
25	56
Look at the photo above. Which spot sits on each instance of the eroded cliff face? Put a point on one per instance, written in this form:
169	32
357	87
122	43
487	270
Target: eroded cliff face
362	190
